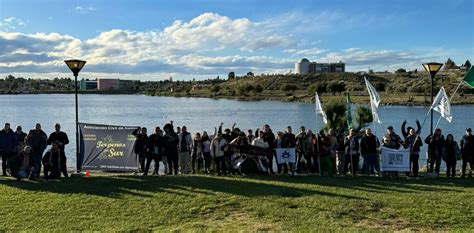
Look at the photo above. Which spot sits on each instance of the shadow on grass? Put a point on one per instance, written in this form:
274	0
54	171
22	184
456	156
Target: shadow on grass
117	186
376	184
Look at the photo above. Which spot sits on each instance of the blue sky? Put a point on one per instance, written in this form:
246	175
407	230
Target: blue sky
156	39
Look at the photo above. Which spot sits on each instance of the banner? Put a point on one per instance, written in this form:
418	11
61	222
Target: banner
348	111
469	78
286	155
395	160
250	150
319	109
107	148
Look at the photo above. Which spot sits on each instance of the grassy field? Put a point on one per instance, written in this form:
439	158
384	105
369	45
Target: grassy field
203	203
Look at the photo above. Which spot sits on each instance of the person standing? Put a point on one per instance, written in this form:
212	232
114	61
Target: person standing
218	148
206	152
352	147
170	147
196	153
269	138
154	151
61	139
467	150
435	146
368	148
8	143
333	148
184	148
325	154
141	146
37	139
414	141
20	135
340	154
450	155
304	160
289	141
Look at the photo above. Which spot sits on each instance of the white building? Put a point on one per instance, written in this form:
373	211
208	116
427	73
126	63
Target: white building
302	67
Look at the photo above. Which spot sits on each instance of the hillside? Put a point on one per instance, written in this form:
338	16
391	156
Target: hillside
399	89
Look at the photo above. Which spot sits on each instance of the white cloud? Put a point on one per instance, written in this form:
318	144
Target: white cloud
84	9
11	24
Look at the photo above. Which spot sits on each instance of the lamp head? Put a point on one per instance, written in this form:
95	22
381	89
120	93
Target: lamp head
432	67
75	65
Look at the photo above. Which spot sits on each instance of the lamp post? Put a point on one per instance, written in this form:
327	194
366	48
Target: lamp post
75	66
433	68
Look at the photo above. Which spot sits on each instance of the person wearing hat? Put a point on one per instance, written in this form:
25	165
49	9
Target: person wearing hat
467	150
60	138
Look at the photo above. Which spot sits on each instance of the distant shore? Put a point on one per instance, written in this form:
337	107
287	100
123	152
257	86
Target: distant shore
395	100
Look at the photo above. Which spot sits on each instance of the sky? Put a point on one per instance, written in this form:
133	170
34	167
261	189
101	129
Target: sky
154	39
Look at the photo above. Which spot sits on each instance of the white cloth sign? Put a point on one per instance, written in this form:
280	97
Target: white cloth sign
286	155
441	104
395	160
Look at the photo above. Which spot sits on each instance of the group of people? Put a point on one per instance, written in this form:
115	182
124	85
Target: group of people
23	155
331	153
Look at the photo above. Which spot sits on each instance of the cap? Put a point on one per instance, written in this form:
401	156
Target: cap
469	130
390	127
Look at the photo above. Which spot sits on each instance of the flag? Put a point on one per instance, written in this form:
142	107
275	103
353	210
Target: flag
286	155
319	109
374	100
349	111
441	104
469	78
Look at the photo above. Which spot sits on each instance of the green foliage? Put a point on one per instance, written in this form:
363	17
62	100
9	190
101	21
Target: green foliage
449	64
231	75
336	115
215	88
258	89
363	116
317	87
380	87
289	88
400	71
336	87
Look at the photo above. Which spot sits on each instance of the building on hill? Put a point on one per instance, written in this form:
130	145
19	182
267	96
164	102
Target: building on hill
306	67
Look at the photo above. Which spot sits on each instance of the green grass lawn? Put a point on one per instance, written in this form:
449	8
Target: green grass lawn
205	203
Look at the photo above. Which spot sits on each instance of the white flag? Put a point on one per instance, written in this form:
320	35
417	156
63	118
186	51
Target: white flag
374	100
319	109
441	104
286	155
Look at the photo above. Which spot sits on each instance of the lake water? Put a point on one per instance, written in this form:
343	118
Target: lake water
197	114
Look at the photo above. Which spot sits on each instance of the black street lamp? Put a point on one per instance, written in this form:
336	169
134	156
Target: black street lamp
75	66
433	68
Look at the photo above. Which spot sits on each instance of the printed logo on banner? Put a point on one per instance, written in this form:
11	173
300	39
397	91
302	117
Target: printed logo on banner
395	159
110	148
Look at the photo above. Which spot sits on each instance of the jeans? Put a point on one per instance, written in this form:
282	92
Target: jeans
370	162
414	164
220	165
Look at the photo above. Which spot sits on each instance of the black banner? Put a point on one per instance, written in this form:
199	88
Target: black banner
107	148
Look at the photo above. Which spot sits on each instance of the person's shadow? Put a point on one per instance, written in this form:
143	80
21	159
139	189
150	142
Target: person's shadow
120	185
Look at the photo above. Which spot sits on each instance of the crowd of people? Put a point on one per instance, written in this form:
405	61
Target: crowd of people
23	155
327	153
222	153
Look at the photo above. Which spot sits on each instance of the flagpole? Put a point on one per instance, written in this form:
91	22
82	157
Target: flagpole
316	97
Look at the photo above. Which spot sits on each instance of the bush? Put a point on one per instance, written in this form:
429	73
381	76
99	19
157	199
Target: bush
258	89
289	88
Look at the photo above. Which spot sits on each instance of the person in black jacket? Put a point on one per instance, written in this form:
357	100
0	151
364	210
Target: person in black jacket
413	140
269	138
61	139
406	132
8	143
351	143
20	135
368	148
450	155
467	150
154	151
436	147
170	147
51	162
141	146
37	139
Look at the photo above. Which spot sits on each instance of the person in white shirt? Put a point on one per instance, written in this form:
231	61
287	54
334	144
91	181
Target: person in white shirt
218	147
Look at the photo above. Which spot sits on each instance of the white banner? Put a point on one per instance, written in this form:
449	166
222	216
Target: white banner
441	104
319	109
395	160
286	155
374	100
